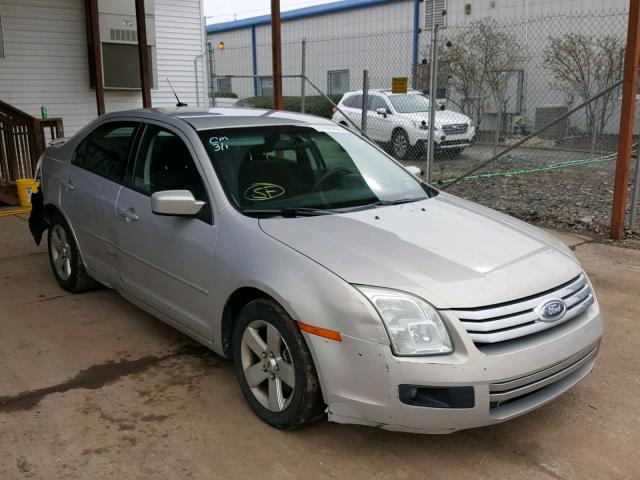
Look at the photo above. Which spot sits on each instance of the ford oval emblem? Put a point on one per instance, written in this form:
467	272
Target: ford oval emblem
551	311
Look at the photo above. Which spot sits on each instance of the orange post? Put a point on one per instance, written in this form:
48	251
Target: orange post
625	138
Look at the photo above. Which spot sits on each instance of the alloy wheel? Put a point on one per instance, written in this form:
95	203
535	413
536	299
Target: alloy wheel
61	252
400	145
267	365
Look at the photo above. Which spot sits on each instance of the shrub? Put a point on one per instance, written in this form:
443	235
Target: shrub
313	104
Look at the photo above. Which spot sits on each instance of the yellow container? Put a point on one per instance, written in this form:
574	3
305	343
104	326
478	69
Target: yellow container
26	186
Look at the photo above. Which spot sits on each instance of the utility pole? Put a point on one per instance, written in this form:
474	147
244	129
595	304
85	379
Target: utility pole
276	55
627	114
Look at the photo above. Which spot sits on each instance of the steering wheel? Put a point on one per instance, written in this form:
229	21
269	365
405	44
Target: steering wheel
329	174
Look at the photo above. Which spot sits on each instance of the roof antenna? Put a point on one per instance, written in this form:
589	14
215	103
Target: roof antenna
179	104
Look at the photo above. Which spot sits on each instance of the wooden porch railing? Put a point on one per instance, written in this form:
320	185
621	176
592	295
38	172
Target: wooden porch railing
22	141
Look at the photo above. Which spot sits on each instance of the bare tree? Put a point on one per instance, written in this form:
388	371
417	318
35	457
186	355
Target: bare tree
585	65
476	59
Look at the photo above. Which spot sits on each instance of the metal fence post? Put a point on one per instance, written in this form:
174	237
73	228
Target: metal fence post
635	197
303	71
211	73
365	99
433	101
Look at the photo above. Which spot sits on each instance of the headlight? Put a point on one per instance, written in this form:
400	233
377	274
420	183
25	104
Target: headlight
414	326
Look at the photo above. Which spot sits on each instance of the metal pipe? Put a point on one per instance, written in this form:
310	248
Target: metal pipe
303	72
254	60
533	134
195	68
365	100
433	99
211	74
416	31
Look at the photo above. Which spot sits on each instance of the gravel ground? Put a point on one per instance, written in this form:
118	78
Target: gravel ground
576	199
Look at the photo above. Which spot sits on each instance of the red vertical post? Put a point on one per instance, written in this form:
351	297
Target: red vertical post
143	54
276	55
94	33
627	113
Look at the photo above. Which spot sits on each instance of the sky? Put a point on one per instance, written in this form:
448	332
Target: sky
218	11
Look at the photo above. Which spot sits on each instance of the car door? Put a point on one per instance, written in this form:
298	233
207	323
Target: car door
89	187
379	126
166	262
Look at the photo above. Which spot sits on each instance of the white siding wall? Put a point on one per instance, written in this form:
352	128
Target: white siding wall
46	58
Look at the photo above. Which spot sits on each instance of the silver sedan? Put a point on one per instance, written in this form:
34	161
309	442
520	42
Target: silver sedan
337	281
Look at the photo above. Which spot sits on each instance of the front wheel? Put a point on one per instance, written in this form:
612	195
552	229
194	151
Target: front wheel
274	367
400	146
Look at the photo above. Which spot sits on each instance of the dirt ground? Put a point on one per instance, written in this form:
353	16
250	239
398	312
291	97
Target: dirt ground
577	199
91	387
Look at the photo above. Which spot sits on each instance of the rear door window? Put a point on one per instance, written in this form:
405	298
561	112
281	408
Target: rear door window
105	151
355	101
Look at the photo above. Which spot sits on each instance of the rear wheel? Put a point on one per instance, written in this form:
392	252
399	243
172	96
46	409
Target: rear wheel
64	257
274	367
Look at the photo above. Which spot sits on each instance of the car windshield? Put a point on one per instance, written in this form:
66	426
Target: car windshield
280	168
409	103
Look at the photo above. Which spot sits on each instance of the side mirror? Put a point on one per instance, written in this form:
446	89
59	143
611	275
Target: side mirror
413	170
382	111
175	203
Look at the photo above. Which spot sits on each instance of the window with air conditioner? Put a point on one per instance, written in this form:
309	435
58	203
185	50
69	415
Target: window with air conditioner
119	44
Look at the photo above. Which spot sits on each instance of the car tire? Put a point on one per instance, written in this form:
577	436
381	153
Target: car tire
64	258
400	146
270	353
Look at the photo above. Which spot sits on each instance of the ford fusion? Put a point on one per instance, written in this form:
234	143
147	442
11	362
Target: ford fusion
338	282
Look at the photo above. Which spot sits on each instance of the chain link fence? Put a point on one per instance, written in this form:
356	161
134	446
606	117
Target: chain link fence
497	82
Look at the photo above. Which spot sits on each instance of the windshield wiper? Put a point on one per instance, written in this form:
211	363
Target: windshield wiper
290	211
384	203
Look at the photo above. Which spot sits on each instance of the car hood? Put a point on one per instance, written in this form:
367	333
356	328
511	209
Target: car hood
453	253
443	117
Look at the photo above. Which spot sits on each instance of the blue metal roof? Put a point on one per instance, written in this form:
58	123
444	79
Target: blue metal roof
312	11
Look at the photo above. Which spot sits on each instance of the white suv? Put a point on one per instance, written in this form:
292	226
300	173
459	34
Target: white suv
401	121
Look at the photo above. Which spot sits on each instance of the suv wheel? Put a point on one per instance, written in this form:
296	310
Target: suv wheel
274	367
400	145
65	259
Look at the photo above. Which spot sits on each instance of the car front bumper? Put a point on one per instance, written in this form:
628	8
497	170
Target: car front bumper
361	379
443	141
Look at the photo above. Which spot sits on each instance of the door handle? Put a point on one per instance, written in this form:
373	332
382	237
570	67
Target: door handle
129	214
67	185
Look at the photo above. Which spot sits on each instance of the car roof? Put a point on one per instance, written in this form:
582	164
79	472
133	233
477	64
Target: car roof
384	91
207	118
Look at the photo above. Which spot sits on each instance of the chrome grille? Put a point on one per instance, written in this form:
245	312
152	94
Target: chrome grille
455	128
517	388
503	322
